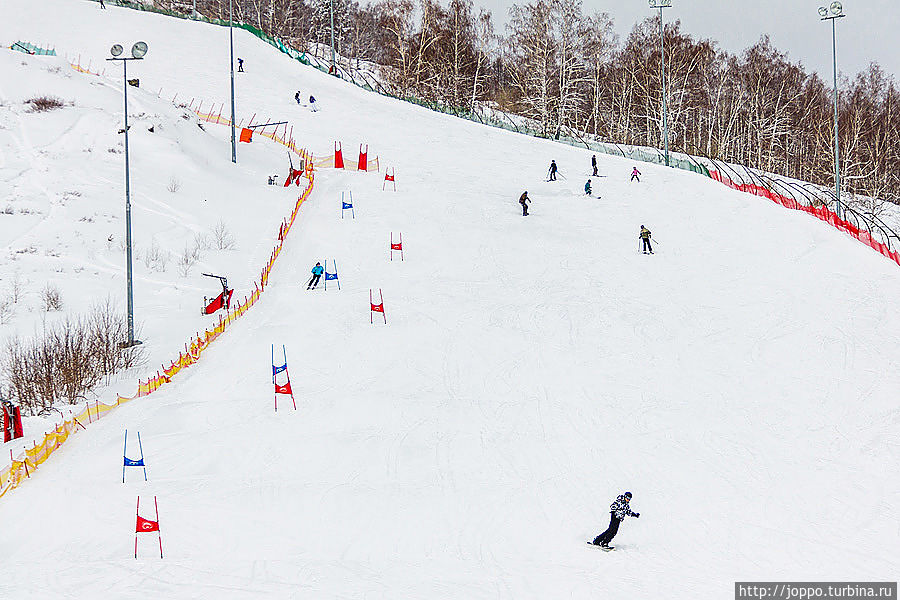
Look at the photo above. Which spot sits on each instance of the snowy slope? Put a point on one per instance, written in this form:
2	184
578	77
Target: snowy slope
741	382
62	207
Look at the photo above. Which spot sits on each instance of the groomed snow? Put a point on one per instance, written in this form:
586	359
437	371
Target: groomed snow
742	382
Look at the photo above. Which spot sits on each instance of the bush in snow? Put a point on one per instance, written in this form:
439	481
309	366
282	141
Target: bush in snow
6	310
70	359
44	103
188	259
223	238
51	298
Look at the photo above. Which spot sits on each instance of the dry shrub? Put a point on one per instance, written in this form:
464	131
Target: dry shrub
71	358
51	299
44	103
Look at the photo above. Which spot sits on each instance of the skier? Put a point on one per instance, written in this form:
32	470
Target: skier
553	170
523	199
618	510
587	188
594	164
297	96
645	237
316	273
312	103
635	174
240	65
102	5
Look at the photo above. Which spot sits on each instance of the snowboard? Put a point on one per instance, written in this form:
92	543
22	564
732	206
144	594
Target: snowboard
607	549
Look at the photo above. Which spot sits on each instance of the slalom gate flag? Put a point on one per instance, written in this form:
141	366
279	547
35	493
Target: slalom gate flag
283	389
346	205
146	525
134	463
277	370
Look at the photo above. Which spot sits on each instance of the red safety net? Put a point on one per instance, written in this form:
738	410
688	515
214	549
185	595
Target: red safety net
820	212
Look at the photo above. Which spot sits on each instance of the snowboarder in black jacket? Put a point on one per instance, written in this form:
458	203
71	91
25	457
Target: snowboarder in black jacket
523	199
553	170
594	164
618	510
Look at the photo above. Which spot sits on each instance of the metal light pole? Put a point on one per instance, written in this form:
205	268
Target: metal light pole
137	53
331	11
231	45
661	4
833	13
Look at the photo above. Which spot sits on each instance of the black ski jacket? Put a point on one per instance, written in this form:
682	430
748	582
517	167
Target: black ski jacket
620	508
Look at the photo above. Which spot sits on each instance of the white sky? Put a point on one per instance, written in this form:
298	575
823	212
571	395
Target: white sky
867	33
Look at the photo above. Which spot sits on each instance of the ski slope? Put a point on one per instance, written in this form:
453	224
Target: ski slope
742	382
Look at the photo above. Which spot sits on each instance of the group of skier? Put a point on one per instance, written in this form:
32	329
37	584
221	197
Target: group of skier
312	101
644	236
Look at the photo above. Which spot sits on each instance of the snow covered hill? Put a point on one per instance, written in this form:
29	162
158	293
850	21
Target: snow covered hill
62	206
741	382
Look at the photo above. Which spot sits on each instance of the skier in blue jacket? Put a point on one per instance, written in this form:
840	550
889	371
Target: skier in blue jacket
316	274
618	510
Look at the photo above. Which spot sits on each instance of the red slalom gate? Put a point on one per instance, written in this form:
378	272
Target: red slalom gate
397	246
363	164
389	177
338	156
146	526
376	308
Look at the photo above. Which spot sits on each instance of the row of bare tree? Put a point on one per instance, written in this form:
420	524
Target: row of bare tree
567	70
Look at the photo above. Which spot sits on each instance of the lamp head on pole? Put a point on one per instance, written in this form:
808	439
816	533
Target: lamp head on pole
139	50
660	4
116	50
835	11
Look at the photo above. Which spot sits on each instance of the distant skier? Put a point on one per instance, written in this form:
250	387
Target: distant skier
618	510
316	273
587	188
594	164
523	200
312	103
102	5
635	174
553	170
645	237
297	96
240	65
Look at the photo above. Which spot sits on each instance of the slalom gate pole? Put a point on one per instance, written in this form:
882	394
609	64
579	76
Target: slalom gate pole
124	450
274	379
137	513
158	530
143	462
288	373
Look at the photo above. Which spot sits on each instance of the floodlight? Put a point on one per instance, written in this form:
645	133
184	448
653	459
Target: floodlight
116	50
139	49
823	12
837	8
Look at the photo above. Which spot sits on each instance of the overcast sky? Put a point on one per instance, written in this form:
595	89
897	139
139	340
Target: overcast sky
868	33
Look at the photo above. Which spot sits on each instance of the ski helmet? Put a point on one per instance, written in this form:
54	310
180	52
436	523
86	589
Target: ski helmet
628	495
